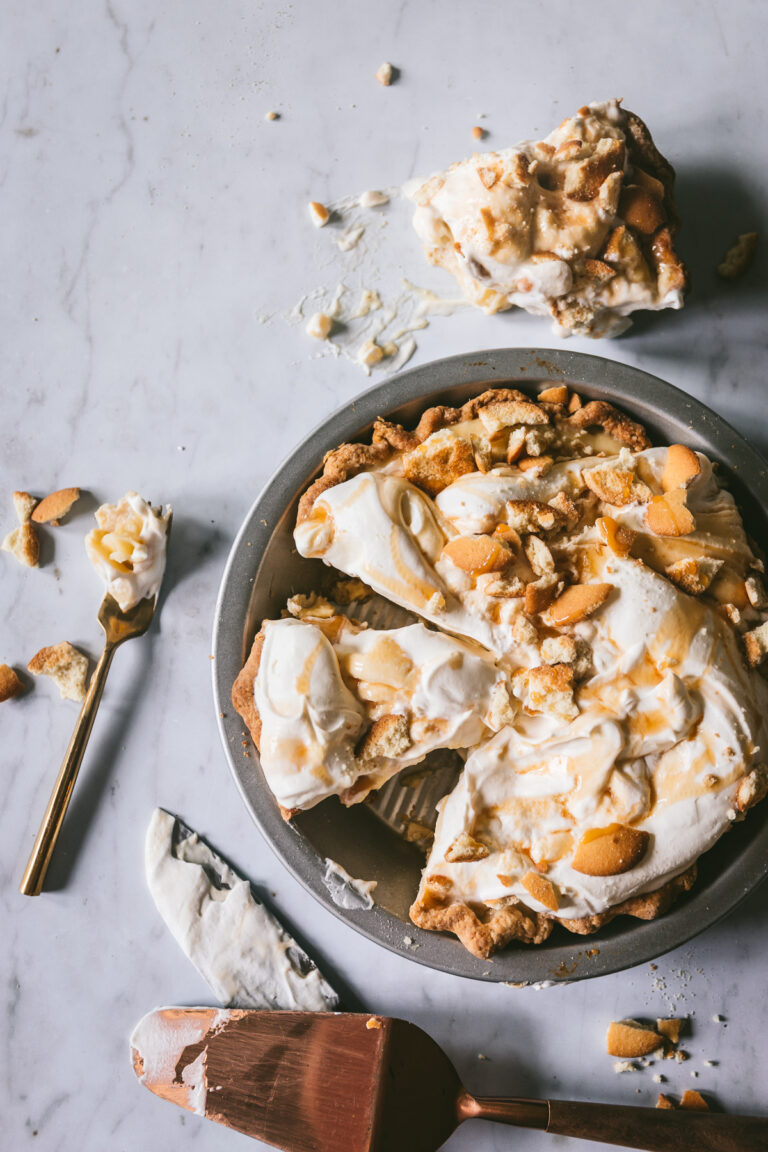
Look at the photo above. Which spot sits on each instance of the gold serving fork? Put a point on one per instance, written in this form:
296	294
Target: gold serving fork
118	627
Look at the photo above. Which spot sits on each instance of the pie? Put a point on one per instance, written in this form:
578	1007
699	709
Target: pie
589	623
579	226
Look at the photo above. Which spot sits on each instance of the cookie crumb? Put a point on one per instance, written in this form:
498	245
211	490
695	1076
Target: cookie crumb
10	685
374	1022
385	74
67	667
319	326
318	213
738	257
271	115
478	133
23	544
370	353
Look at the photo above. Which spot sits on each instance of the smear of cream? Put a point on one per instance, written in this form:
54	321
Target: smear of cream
239	948
345	890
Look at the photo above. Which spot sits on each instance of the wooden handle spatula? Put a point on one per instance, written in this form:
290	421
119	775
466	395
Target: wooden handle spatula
343	1082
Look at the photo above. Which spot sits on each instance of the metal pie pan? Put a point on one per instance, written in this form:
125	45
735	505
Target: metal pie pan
263	570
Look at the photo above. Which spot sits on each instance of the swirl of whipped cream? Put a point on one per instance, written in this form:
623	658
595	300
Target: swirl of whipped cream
669	722
385	531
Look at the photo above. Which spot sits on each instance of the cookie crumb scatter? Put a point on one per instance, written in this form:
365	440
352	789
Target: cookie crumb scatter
272	115
624	1066
374	1022
718	1019
478	133
481	1056
659	1079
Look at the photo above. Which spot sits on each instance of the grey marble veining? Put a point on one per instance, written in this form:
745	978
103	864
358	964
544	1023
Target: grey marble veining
152	220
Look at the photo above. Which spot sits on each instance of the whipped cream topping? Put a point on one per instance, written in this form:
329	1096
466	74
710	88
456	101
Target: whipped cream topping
668	723
318	699
636	709
524	227
388	533
128	548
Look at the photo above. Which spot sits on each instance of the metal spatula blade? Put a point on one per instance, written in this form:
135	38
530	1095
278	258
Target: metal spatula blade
343	1082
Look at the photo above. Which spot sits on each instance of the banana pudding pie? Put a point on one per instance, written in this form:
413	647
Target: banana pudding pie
590	619
579	226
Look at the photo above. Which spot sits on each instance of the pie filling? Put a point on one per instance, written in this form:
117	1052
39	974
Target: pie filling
597	618
578	226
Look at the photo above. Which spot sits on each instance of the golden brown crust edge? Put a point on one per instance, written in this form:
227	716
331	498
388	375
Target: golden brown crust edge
515	922
348	460
480	938
242	689
645	907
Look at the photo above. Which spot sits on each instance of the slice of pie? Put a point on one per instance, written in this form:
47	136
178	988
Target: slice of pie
579	226
336	708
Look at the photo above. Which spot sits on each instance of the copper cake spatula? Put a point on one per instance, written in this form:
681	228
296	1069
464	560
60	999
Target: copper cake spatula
343	1082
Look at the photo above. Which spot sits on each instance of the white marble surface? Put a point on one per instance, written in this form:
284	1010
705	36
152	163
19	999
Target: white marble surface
154	239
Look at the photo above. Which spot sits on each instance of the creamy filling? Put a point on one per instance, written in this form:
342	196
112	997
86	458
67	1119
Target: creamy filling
388	533
638	712
668	723
128	549
318	699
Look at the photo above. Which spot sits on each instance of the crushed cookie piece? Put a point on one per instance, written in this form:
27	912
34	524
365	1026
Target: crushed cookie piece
693	1101
756	644
385	74
694	575
681	468
54	507
578	602
542	890
23	544
388	737
547	689
465	848
668	515
629	1039
67	666
738	257
10	685
611	851
23	505
670	1029
318	214
370	353
319	325
539	556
